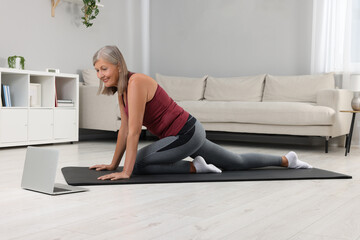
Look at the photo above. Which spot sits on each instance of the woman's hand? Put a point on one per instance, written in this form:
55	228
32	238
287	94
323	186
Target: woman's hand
101	167
114	176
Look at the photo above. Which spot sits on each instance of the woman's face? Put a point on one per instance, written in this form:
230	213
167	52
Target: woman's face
107	72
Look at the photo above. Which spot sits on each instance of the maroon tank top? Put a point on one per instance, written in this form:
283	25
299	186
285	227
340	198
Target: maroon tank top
163	117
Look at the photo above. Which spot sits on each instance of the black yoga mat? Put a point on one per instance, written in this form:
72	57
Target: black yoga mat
81	176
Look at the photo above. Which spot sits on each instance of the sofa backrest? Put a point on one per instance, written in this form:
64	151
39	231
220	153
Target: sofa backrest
90	77
302	88
182	88
249	89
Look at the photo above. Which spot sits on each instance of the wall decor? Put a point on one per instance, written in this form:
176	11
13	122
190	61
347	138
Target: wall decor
90	9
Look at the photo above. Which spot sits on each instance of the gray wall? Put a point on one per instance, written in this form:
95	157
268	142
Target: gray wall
63	42
230	37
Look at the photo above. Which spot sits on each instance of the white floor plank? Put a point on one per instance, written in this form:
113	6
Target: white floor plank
343	222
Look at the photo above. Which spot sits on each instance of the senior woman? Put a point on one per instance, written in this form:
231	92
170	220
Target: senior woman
143	102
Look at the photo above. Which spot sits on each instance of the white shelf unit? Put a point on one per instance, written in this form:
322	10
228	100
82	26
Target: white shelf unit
25	124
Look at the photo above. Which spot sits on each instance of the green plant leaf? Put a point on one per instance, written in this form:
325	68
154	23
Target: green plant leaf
90	10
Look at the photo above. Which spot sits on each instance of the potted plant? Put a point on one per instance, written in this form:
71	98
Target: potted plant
90	10
17	62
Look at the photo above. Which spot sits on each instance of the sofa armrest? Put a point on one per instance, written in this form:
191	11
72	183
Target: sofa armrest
97	111
337	99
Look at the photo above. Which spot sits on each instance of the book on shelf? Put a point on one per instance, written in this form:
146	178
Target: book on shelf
56	100
65	103
9	96
6	95
2	96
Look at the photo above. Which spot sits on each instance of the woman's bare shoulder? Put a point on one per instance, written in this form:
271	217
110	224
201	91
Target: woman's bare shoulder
139	78
143	83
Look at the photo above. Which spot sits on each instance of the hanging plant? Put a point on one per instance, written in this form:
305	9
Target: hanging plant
90	10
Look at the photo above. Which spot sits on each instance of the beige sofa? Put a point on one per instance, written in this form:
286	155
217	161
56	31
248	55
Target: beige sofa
306	105
98	112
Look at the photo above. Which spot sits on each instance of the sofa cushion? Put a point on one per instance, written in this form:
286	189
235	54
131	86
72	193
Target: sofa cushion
273	113
90	78
296	88
248	89
182	88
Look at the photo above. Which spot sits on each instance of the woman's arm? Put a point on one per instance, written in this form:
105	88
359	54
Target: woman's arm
122	136
137	98
120	143
137	95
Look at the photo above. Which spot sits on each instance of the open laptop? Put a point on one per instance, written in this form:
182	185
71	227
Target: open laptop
40	171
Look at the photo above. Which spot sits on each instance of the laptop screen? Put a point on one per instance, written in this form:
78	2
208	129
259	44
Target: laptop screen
40	169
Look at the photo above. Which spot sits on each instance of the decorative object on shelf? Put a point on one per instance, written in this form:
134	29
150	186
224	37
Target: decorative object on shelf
90	10
35	95
355	87
17	62
53	70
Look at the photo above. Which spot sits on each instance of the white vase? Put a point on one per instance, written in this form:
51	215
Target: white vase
17	63
355	103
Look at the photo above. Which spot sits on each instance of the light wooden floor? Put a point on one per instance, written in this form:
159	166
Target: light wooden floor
321	209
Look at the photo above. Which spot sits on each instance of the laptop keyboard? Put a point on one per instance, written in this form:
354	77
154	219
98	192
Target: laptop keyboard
57	189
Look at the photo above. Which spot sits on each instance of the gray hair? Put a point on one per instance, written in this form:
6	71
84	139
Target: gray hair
113	55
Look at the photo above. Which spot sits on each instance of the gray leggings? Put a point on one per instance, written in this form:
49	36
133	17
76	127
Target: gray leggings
167	155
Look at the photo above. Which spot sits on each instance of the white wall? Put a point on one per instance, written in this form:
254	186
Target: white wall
230	37
63	42
187	37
